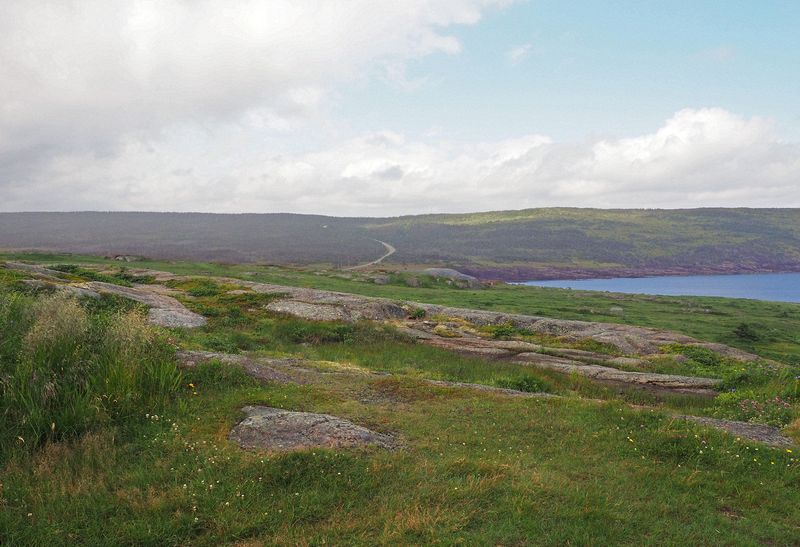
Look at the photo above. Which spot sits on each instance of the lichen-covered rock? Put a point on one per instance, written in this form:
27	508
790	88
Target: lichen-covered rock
277	429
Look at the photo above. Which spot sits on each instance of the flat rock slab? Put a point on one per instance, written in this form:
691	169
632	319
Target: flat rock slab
34	269
767	434
280	371
317	304
281	430
685	384
164	311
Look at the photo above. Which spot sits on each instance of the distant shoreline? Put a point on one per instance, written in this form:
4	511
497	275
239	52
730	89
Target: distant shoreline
521	274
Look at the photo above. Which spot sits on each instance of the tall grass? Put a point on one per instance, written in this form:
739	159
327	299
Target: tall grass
65	370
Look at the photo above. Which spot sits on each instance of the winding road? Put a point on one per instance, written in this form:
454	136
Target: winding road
390	250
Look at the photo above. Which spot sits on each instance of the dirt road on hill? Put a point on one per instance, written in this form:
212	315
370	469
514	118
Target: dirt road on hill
390	250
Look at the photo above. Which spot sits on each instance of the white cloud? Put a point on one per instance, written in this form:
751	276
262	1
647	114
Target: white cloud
81	75
705	157
188	105
517	54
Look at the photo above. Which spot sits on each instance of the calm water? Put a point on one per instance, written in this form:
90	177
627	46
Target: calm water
776	287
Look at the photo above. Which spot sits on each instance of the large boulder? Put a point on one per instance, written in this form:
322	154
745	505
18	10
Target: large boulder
277	429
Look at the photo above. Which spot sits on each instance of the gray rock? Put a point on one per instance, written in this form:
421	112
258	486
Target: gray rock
280	371
42	285
767	434
630	340
280	430
684	384
460	279
36	269
164	311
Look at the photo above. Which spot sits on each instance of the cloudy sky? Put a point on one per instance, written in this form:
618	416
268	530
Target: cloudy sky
384	107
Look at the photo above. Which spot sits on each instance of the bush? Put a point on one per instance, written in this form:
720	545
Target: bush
298	331
530	384
502	332
417	313
122	278
746	332
208	288
65	370
749	406
309	332
699	355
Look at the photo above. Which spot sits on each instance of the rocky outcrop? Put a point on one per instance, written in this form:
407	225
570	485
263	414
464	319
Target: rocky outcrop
44	285
457	278
164	311
302	371
766	434
282	430
596	366
39	270
318	304
672	382
281	371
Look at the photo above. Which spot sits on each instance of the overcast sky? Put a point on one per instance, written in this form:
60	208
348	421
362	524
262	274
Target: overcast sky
374	107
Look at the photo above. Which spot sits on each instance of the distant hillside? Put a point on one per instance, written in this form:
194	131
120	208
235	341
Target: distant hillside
560	242
534	243
275	238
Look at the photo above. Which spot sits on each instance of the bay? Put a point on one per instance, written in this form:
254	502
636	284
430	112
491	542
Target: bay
778	287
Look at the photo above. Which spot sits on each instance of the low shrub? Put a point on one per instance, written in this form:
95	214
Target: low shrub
504	332
530	384
417	313
750	406
119	278
299	331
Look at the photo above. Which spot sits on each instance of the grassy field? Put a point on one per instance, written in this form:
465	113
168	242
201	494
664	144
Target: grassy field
472	468
776	325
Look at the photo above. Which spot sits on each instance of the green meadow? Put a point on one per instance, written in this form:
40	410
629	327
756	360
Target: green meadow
106	441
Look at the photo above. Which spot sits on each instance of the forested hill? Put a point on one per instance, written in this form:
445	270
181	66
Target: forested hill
534	243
